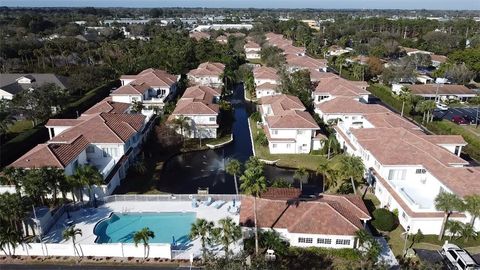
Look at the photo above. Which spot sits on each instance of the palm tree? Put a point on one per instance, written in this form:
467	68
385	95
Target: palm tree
472	206
300	175
144	235
9	239
5	122
227	233
137	106
447	202
233	168
89	176
468	232
183	123
353	168
369	247
454	227
322	169
405	96
272	240
71	233
430	106
422	108
203	229
254	184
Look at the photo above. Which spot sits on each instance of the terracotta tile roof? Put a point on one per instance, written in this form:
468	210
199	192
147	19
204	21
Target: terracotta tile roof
389	119
281	193
104	128
445	139
309	217
439	58
287	112
52	154
265	73
305	62
198	100
199	35
443	89
155	78
131	89
222	39
108	106
63	122
316	75
250	45
266	86
398	146
208	69
337	86
293	50
346	105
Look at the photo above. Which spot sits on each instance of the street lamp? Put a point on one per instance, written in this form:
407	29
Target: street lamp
405	243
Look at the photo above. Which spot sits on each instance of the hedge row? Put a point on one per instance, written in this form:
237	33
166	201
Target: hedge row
385	94
25	141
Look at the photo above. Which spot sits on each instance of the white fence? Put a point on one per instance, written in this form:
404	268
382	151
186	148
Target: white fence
7	188
97	250
170	197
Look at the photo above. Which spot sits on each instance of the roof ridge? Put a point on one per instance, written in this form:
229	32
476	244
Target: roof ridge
105	122
335	210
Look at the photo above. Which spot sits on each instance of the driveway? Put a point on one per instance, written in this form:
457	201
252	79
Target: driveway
386	255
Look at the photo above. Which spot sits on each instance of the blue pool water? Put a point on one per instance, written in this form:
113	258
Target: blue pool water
120	227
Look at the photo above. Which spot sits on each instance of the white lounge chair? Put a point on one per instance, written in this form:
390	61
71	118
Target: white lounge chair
208	201
218	204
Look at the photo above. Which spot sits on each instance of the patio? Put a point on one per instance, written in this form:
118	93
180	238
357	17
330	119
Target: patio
85	219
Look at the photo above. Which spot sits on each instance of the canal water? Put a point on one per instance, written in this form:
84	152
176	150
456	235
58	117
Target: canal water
186	173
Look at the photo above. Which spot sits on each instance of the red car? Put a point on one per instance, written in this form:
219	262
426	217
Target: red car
457	119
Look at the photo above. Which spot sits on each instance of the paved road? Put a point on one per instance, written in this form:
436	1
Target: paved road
86	267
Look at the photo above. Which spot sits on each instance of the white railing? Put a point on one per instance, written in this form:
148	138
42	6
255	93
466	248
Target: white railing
170	197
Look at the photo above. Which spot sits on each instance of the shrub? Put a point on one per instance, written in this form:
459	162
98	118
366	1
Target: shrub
261	138
384	220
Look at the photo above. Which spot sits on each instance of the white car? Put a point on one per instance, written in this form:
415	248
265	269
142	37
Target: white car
458	257
441	106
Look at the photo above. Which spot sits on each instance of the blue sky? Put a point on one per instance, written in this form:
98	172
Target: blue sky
337	4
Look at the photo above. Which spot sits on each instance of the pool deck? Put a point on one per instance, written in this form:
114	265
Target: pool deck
86	219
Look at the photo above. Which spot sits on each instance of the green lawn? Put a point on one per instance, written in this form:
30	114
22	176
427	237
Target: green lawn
307	161
20	126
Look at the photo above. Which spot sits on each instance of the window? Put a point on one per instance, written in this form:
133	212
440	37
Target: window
396	174
325	241
299	132
420	171
75	165
305	240
275	132
404	216
109	152
212	119
90	149
288	146
274	145
344	242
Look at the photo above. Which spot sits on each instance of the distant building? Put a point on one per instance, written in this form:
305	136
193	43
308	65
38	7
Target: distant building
266	81
13	83
438	91
252	50
203	28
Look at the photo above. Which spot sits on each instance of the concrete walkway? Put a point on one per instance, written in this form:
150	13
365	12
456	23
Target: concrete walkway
386	255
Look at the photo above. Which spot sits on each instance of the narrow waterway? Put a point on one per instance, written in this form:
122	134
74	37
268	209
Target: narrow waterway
186	173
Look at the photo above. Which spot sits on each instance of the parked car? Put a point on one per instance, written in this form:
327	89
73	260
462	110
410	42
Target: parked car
441	106
457	119
459	258
470	120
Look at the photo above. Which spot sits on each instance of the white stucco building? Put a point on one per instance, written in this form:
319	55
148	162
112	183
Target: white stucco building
288	127
266	81
152	87
199	106
252	50
406	167
330	221
106	137
208	74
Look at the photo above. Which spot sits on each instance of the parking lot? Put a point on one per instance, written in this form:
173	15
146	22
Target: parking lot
434	257
471	112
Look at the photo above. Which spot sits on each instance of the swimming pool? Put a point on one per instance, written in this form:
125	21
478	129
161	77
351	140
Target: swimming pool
120	227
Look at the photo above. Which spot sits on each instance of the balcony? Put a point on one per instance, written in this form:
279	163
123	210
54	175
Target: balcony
416	194
103	165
